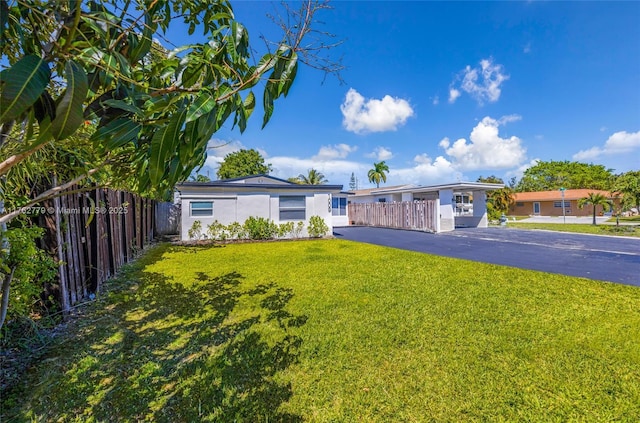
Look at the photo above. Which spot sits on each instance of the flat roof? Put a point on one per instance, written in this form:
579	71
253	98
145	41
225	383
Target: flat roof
472	186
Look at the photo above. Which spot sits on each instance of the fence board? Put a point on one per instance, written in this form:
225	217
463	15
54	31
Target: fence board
414	215
93	245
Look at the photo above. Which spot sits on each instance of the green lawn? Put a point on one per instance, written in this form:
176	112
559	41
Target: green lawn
332	330
626	219
600	229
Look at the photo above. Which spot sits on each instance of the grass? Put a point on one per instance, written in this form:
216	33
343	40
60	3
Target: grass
626	219
332	330
623	230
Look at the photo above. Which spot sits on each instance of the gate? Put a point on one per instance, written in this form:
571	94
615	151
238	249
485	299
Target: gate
413	215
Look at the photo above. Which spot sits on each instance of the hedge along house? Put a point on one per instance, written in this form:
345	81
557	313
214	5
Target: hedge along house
459	204
235	200
549	203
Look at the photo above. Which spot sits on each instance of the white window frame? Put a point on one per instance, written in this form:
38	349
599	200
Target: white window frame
339	210
205	209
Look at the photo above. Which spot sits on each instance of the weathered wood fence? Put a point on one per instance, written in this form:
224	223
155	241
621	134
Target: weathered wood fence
415	215
167	218
92	234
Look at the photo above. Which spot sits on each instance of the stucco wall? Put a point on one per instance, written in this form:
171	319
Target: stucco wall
238	208
547	209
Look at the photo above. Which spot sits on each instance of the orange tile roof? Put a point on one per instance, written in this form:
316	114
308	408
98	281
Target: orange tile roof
570	194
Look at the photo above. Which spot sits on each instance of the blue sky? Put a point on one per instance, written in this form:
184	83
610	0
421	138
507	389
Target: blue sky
447	91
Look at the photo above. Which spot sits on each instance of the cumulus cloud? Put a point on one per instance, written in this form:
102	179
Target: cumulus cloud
435	101
362	115
619	143
453	95
380	153
485	149
482	82
426	171
332	152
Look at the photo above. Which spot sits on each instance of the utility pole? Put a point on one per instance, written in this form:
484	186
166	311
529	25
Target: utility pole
564	217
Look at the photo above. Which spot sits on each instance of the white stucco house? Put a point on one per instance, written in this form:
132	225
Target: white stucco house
235	200
459	204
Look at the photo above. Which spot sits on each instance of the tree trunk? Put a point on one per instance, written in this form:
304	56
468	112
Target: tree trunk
6	285
594	214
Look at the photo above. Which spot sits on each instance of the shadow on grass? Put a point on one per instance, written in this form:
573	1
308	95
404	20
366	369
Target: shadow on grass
167	351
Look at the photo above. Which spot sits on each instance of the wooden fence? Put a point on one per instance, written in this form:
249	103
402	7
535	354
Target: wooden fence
167	218
92	234
414	215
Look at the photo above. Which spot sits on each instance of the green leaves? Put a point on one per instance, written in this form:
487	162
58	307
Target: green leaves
22	84
69	109
117	133
163	145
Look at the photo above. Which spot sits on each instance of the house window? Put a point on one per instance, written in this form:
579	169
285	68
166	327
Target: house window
382	200
519	204
558	204
292	207
201	208
339	206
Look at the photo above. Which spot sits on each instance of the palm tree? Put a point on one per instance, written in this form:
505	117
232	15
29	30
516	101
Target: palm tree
313	177
378	174
595	200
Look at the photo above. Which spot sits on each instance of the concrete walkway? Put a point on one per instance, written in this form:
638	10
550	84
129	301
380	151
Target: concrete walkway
614	259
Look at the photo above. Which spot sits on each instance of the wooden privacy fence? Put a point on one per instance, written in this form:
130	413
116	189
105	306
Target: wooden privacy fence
415	215
92	234
167	218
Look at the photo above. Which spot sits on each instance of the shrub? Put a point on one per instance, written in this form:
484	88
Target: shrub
317	227
260	228
285	229
218	231
236	231
196	230
32	268
297	231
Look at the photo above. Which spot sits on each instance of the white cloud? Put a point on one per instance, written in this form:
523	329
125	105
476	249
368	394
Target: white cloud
486	149
425	171
332	152
521	169
380	153
619	143
527	48
435	101
372	115
483	83
453	95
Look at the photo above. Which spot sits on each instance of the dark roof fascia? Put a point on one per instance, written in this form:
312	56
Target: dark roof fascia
243	187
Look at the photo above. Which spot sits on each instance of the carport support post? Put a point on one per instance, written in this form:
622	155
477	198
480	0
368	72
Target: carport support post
446	218
480	209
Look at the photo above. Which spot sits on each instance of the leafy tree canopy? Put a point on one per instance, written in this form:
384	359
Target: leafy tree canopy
243	163
553	175
628	184
150	112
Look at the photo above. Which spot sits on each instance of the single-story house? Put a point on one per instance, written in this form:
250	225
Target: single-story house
235	200
549	203
459	204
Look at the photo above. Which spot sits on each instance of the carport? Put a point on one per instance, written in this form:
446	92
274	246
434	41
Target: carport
459	204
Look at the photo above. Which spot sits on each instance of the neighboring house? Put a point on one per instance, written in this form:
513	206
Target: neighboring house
459	204
549	203
235	200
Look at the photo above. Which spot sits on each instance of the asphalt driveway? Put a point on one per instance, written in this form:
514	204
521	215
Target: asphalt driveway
613	259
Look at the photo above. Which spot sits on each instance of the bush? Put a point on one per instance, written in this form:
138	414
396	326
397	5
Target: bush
317	227
236	231
33	268
196	230
285	229
260	228
218	231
